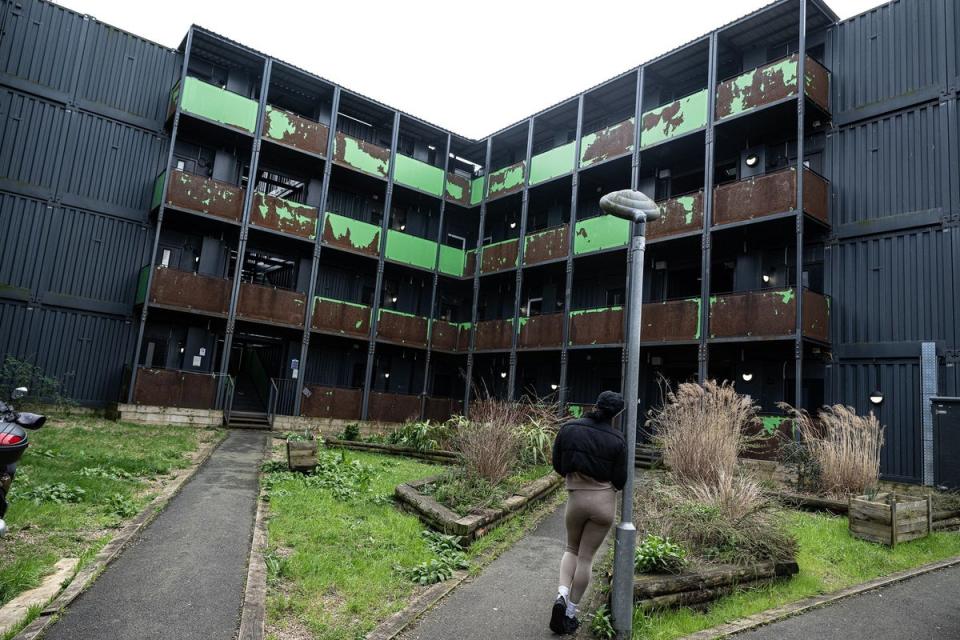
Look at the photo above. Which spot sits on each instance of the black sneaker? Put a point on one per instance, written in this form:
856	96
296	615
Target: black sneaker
558	615
570	624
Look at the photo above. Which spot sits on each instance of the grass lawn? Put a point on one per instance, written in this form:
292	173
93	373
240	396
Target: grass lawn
829	558
81	478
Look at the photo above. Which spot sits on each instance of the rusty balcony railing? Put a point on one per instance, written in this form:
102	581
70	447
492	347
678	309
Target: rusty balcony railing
261	303
539	332
769	195
393	407
612	142
441	409
339	317
450	336
771	83
678	215
596	326
671	321
402	328
769	313
499	256
175	388
351	235
494	335
547	245
279	214
464	191
363	156
331	402
506	180
296	132
193	193
188	291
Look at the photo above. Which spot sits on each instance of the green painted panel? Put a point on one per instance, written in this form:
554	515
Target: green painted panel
506	180
362	234
292	215
454	190
452	260
142	284
362	156
157	191
757	87
551	164
476	191
418	175
599	233
219	105
584	312
674	119
408	249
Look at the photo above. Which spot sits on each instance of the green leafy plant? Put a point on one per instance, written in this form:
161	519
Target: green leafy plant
350	432
306	436
275	564
450	558
43	389
121	505
422	436
109	473
601	623
656	554
429	572
536	443
59	493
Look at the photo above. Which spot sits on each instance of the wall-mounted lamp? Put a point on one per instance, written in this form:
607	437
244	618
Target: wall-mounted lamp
386	375
181	349
766	278
513	225
393	299
554	387
752	160
876	397
403	227
503	374
747	377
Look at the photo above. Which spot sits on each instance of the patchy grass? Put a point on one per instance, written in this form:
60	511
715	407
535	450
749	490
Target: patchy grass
81	478
464	494
830	559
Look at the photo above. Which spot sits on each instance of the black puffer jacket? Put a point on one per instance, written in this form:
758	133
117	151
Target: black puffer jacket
592	448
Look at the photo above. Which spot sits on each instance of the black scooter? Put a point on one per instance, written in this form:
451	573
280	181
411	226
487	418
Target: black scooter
13	442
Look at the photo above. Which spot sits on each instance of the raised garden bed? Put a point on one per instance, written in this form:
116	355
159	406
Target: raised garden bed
301	455
664	591
943	519
437	455
889	519
473	525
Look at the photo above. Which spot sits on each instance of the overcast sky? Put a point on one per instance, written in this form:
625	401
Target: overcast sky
472	67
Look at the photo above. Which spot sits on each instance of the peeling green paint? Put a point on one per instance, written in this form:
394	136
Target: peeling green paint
506	180
599	233
452	260
219	105
476	191
583	312
418	175
675	119
278	123
771	424
454	190
551	164
687	203
361	235
353	153
142	284
411	250
696	301
786	295
607	143
157	191
292	217
575	410
756	87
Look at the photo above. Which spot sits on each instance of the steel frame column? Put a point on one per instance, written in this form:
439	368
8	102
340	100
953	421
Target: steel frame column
244	225
160	211
634	183
384	227
476	279
708	175
801	111
517	294
571	237
317	247
436	281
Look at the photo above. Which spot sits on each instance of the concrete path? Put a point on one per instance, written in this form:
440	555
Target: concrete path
183	577
511	598
924	607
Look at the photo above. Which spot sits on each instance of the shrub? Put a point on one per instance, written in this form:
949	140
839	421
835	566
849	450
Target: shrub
464	493
601	624
58	493
700	429
735	496
845	447
490	444
43	389
350	432
450	558
422	436
536	443
655	554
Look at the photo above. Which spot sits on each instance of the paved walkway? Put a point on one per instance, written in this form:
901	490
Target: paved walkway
926	607
183	577
511	598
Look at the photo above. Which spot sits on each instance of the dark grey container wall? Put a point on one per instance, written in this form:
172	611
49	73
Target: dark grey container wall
31	135
41	43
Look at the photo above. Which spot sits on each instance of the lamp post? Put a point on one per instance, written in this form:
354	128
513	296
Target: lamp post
638	209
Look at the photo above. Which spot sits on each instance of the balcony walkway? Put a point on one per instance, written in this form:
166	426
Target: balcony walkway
184	576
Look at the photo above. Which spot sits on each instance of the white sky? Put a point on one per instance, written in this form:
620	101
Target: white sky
472	67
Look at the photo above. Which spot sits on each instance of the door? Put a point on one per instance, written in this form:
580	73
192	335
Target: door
946	443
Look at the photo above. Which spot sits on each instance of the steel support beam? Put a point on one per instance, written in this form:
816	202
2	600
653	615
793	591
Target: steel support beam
703	354
518	291
801	110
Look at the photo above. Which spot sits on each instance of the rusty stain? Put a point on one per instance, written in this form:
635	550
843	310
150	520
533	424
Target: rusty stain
188	290
541	331
393	407
450	336
458	189
268	304
677	215
494	334
204	195
546	245
363	156
271	212
332	402
351	235
817	84
295	131
174	388
506	181
500	256
335	316
671	321
768	195
614	141
596	326
402	328
816	316
441	409
770	313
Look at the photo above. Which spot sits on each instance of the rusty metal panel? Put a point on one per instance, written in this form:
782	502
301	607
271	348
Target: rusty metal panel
817	83
271	212
757	87
362	156
816	196
596	326
541	331
471	263
671	320
614	141
500	256
269	304
767	436
494	334
351	235
393	407
458	189
677	215
187	290
816	316
547	245
755	197
332	402
680	117
506	181
204	195
173	388
404	328
295	131
442	409
755	313
340	317
450	336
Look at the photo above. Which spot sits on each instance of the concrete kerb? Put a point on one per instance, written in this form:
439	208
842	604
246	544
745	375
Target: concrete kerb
252	617
807	604
86	576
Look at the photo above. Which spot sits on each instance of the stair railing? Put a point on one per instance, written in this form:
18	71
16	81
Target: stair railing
272	402
229	388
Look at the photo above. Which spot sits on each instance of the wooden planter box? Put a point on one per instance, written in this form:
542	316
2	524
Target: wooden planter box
436	455
889	519
302	455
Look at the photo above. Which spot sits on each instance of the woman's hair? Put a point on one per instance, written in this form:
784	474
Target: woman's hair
600	414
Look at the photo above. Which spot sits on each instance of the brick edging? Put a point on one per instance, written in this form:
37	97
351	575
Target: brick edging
253	611
801	606
86	576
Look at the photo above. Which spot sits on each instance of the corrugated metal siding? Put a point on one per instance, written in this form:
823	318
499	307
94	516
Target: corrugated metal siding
894	288
26	225
32	28
31	135
85	351
899	380
892	165
888	52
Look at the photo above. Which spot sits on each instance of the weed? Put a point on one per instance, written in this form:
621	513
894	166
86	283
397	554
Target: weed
350	432
121	505
296	436
108	473
601	623
655	554
58	493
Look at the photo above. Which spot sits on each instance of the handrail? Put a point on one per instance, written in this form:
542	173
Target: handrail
228	399
272	402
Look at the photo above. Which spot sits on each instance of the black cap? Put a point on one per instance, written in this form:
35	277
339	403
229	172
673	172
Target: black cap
610	402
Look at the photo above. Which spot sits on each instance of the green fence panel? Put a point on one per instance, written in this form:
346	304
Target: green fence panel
674	119
411	250
552	164
599	233
219	105
419	175
452	260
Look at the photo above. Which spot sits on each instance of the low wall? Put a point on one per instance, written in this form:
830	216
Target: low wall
330	427
770	471
151	414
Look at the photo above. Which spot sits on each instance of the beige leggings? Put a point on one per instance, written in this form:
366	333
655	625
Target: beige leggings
588	517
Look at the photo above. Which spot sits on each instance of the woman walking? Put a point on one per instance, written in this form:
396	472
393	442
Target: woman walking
591	455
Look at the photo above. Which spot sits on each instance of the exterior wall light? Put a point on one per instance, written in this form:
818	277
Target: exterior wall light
513	225
503	374
386	375
393	299
766	278
403	227
752	160
876	397
747	377
554	387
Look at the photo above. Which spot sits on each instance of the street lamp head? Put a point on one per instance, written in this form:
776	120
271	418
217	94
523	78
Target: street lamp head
630	205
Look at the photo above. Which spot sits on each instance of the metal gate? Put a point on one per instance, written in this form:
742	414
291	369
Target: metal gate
946	442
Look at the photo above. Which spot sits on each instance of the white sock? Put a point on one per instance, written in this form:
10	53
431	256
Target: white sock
564	591
571	609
